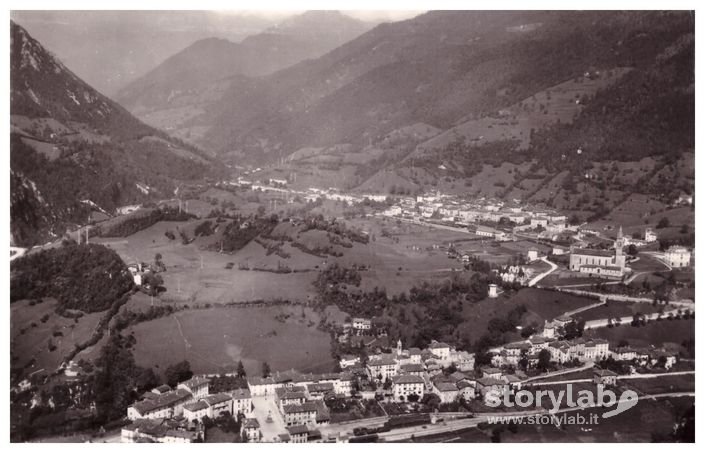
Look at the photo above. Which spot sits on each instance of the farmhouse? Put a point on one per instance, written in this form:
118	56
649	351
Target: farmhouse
605	377
362	324
650	235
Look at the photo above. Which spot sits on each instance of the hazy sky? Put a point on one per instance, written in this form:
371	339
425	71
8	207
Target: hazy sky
367	15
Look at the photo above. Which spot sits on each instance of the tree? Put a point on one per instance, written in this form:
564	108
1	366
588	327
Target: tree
544	360
632	250
240	369
153	282
146	379
266	370
663	223
178	372
158	263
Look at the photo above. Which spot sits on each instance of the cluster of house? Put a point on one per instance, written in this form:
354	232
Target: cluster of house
186	405
140	273
457	210
415	372
300	400
578	349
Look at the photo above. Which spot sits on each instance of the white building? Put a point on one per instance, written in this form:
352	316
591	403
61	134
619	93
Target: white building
406	385
677	256
198	386
242	401
650	235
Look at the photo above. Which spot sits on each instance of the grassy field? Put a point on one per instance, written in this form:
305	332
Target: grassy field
30	336
213	340
618	310
654	333
661	384
541	305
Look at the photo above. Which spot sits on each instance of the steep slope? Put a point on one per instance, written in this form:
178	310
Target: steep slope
577	110
125	45
73	150
308	35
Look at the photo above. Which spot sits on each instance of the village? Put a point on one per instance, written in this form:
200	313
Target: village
431	385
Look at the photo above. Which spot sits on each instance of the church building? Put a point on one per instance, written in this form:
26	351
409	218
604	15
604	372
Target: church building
601	263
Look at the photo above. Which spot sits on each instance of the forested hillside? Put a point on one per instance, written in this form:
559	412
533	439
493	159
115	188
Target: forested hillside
73	150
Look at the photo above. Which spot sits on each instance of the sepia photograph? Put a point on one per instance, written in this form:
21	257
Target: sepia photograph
340	224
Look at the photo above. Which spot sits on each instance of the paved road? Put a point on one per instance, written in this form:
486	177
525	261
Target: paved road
541	276
622	298
432	225
586	366
655	375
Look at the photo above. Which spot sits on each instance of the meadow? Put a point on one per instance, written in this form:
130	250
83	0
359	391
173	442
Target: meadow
653	333
213	340
33	328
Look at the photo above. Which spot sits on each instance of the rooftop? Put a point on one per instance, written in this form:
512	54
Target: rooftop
489	381
196	381
446	387
161	401
408	379
297	429
593	252
197	406
241	394
217	398
297	408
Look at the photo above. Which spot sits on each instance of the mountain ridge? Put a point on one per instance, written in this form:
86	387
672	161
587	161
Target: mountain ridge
73	150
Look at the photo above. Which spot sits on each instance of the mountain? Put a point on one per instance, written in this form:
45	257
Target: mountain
109	49
498	103
437	69
73	150
186	81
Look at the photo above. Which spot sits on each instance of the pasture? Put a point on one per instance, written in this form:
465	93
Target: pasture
214	339
33	328
661	384
542	305
653	333
614	309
